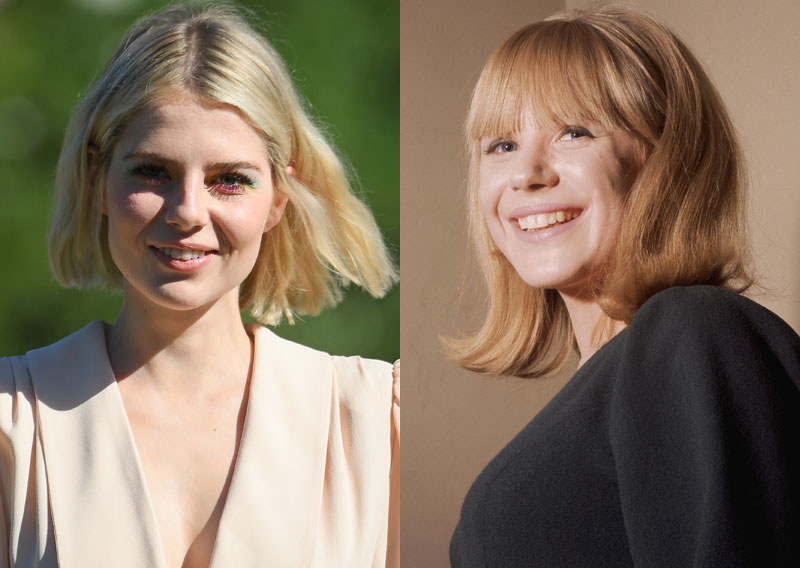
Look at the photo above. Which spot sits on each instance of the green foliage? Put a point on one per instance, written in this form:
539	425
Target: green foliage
345	59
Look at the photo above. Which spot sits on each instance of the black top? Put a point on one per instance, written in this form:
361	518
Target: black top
677	444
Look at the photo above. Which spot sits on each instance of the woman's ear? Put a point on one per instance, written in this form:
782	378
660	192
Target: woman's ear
94	162
279	201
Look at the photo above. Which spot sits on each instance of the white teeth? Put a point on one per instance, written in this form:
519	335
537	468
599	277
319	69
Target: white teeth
182	254
542	220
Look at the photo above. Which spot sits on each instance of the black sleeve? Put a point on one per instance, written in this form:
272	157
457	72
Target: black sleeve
705	432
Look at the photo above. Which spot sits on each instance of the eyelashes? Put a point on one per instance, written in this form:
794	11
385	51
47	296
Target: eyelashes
231	183
225	184
501	146
574	132
507	144
149	173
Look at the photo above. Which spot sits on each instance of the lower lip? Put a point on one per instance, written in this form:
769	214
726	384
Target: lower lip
180	265
537	235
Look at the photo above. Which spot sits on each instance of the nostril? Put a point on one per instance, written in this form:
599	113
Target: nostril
529	187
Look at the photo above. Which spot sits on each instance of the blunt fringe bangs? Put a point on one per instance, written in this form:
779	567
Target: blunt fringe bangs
327	237
684	213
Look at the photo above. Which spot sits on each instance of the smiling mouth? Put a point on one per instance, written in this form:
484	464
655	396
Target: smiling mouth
182	254
541	221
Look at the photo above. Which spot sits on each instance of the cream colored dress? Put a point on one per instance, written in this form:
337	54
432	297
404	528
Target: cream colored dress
315	483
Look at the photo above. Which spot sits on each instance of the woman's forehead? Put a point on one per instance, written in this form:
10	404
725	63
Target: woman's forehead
173	126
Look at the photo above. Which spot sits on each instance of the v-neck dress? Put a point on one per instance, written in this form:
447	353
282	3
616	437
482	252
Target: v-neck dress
315	482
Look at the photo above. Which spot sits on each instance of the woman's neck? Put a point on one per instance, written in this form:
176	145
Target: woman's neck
585	314
179	349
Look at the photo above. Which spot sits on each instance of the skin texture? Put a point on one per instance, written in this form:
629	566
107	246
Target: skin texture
163	189
179	350
582	168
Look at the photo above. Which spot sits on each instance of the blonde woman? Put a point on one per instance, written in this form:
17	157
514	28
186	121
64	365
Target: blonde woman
607	205
192	179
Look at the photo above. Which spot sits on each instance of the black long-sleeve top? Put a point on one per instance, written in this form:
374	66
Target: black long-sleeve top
677	444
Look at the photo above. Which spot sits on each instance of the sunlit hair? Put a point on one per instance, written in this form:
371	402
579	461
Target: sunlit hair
683	218
327	237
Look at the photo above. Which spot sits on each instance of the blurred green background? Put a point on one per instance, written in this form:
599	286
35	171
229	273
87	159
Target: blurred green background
344	56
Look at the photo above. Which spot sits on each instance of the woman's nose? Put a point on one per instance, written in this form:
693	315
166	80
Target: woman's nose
533	170
186	207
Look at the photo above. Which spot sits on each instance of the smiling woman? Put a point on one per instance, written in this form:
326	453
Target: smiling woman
606	199
577	173
189	187
192	178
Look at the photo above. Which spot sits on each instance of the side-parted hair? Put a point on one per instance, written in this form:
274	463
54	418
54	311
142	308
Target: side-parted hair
683	217
327	237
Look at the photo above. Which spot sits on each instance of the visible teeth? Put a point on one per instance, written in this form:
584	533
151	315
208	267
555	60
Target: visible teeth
182	254
542	220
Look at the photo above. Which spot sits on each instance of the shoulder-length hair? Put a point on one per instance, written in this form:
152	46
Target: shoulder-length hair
327	237
683	220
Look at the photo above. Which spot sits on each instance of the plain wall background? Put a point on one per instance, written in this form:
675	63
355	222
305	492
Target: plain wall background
454	422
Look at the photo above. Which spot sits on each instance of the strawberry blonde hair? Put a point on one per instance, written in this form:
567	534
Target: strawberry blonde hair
683	218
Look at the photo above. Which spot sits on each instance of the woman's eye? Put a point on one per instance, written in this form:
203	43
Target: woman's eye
573	133
502	146
231	183
150	173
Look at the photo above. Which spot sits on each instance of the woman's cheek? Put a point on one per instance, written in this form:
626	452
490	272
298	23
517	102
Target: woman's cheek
244	227
488	198
141	206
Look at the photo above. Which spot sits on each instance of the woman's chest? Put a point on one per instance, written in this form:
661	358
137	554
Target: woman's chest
187	458
549	498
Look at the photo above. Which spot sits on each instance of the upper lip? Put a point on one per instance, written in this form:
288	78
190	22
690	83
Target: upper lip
184	246
526	210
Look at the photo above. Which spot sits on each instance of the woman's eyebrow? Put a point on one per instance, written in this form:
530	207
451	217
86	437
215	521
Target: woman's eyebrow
216	166
141	155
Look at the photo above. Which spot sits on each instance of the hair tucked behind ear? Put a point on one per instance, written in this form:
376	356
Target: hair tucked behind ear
684	211
327	239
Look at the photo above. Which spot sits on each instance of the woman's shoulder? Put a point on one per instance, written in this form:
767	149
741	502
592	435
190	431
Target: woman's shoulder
705	303
354	376
710	314
16	371
353	364
698	331
701	424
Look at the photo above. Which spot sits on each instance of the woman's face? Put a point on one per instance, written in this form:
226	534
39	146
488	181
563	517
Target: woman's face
552	199
189	195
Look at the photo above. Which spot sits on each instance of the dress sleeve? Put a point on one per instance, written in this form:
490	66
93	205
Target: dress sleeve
704	427
7	391
393	538
362	467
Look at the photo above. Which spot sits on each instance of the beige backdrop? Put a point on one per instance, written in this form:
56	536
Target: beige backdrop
454	422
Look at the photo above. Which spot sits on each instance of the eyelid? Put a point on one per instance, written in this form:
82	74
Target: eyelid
497	143
241	181
150	170
575	129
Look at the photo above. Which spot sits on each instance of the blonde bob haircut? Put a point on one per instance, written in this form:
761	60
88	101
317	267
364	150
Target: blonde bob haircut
683	211
327	237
